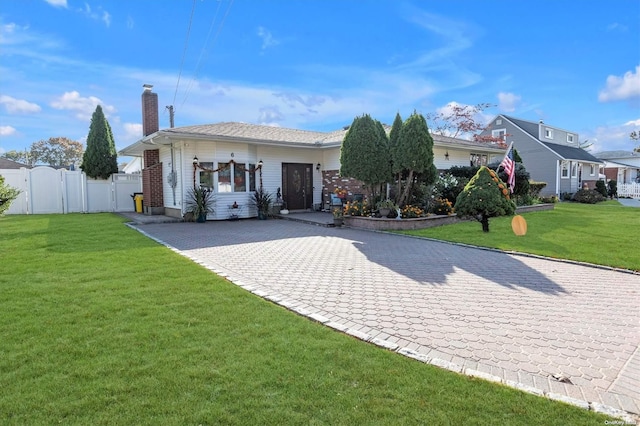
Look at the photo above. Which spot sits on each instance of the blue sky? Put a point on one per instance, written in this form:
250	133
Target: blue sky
316	64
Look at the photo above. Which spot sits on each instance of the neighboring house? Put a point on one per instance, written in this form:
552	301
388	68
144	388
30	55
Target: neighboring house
6	164
622	166
549	154
302	166
133	166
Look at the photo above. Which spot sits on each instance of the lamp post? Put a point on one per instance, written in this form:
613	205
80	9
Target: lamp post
260	163
195	166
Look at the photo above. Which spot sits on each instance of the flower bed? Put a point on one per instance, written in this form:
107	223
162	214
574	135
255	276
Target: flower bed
384	224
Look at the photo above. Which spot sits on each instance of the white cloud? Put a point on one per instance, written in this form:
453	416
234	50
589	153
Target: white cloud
13	105
617	27
614	137
130	22
84	107
133	131
57	3
270	115
7	130
508	102
99	15
106	18
620	88
267	38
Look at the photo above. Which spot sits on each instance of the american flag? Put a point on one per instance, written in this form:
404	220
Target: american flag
509	167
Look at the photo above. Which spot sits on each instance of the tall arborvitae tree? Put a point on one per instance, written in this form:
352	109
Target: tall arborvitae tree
413	155
365	153
394	136
485	196
100	159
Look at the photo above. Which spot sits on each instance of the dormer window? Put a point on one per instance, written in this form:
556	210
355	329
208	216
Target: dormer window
569	138
498	133
548	133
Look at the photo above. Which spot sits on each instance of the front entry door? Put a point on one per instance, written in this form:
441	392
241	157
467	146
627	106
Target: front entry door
297	188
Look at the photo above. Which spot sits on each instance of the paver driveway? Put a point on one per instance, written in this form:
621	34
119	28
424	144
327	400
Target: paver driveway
512	318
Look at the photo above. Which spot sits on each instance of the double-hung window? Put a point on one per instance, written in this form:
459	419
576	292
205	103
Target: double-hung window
233	177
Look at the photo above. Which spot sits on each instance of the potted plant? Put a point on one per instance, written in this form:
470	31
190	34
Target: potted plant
337	217
199	203
262	202
385	207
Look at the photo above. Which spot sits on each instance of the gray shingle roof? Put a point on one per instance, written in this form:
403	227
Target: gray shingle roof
605	155
571	153
528	126
259	132
564	151
262	133
5	163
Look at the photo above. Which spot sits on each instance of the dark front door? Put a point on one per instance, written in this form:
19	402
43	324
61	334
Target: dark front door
297	188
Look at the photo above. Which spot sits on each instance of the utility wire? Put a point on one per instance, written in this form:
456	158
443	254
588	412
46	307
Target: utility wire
213	42
184	53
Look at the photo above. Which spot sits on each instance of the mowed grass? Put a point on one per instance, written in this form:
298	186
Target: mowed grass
100	325
604	234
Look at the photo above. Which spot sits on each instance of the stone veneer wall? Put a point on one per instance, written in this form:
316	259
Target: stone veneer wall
331	180
380	224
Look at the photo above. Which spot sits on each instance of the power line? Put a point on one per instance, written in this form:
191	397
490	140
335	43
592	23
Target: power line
199	63
184	53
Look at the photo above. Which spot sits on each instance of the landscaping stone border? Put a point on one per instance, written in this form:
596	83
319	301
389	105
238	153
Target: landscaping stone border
385	224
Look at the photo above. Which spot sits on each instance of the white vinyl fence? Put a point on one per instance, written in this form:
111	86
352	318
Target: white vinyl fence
47	190
629	190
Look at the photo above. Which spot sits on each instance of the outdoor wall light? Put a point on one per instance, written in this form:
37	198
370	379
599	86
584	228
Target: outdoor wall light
318	167
260	163
195	161
446	155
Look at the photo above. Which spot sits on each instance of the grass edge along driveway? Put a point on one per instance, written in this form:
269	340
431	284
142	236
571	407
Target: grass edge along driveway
101	325
601	234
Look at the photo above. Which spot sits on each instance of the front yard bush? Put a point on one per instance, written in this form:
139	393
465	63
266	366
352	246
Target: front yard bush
601	187
441	206
588	196
535	188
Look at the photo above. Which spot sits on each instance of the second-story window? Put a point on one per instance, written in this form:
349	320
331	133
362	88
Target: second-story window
548	133
569	138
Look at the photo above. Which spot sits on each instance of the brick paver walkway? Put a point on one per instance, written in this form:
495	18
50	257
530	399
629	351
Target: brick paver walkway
504	317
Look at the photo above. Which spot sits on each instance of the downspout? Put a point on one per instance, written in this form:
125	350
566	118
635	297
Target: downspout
558	176
182	212
172	177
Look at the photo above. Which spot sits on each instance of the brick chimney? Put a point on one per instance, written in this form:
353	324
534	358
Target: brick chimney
150	119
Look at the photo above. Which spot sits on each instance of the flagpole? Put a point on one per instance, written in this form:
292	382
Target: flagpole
505	156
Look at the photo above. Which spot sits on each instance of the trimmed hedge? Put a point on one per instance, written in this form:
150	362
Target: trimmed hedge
588	196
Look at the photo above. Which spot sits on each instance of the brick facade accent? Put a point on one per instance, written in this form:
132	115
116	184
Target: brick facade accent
331	180
150	118
152	191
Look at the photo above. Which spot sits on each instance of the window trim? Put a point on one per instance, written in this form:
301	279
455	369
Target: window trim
574	168
496	133
570	137
548	133
592	170
564	165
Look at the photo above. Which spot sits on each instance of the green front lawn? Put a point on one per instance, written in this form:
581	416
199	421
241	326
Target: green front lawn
101	325
605	234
